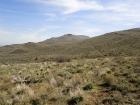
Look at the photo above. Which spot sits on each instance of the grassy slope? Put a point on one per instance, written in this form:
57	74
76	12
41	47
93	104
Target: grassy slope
111	44
123	43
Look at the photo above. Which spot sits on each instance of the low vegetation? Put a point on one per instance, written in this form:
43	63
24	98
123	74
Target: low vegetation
115	44
104	70
88	86
75	100
100	81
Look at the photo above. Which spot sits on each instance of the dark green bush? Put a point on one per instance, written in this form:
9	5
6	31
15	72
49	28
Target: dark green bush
61	74
75	100
89	86
125	74
110	101
62	59
21	92
123	88
53	99
134	80
137	69
80	71
109	72
73	71
35	101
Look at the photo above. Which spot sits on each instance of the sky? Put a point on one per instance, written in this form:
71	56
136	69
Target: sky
24	21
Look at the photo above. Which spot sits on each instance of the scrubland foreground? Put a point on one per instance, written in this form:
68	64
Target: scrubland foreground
98	81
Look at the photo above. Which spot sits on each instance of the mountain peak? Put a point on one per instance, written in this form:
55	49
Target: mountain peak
68	34
66	38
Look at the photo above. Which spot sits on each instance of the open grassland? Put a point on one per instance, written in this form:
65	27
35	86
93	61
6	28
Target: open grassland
97	81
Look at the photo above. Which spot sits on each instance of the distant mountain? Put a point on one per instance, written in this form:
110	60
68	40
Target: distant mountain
120	43
67	38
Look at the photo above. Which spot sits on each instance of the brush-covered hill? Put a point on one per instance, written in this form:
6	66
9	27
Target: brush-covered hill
111	75
120	43
67	38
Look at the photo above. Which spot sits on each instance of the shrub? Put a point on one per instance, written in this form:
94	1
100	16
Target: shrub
138	59
80	71
75	100
110	101
35	101
62	59
116	74
110	79
125	74
61	74
128	67
109	72
21	92
124	88
53	99
137	69
134	80
73	71
138	97
89	86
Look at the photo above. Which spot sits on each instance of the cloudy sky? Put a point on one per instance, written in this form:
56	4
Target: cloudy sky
36	20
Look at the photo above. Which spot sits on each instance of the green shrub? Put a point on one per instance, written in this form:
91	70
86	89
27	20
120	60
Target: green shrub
75	100
109	72
21	92
124	88
73	71
61	74
110	79
125	74
53	99
137	69
35	101
128	67
80	71
134	80
110	101
89	86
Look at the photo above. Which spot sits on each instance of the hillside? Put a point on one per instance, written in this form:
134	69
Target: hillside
121	43
103	70
67	38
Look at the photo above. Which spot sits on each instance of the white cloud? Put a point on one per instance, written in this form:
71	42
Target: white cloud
118	12
114	11
129	24
50	15
83	30
71	6
126	10
8	37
